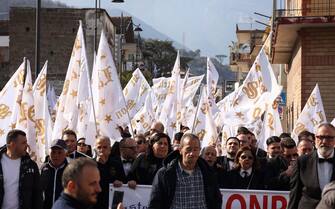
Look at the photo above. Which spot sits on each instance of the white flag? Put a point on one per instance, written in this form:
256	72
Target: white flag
136	92
67	110
26	120
311	116
85	106
204	125
271	125
43	122
109	103
212	79
143	120
169	111
259	89
10	100
51	96
160	89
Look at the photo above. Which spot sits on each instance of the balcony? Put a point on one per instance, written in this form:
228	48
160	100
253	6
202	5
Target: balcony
290	16
303	8
240	61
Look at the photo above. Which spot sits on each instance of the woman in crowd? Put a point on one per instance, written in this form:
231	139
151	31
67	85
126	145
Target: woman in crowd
83	147
147	164
246	173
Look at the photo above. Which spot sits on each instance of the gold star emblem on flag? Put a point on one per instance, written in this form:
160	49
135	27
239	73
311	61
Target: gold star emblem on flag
74	93
108	118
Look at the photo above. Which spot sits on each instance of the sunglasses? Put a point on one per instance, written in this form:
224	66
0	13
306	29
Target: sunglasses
243	157
329	138
81	144
140	142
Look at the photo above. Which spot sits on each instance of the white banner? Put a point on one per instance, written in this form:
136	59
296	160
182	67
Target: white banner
231	198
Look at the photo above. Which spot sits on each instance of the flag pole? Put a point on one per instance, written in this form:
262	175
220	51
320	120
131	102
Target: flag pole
198	105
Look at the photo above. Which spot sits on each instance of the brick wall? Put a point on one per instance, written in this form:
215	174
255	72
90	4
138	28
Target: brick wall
294	87
312	62
318	63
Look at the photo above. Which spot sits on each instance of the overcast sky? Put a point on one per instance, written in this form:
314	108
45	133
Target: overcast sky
208	25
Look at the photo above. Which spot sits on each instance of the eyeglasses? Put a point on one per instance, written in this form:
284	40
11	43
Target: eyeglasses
243	157
327	138
140	142
81	144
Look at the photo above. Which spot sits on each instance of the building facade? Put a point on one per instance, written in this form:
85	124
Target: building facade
303	40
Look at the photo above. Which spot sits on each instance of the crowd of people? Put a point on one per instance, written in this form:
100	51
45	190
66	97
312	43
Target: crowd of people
182	174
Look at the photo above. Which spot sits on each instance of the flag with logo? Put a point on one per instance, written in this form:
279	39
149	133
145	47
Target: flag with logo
10	100
143	119
169	111
43	122
271	125
204	125
67	109
136	92
311	116
259	89
25	119
109	103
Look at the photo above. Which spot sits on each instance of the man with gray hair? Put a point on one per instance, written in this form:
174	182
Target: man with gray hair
111	171
81	185
157	127
313	171
169	189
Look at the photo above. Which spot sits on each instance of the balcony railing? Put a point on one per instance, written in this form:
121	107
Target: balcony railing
303	8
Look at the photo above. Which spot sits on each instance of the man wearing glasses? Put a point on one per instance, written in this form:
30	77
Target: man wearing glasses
312	172
128	153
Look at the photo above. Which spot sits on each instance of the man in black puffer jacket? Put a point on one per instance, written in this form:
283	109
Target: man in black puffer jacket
187	181
18	174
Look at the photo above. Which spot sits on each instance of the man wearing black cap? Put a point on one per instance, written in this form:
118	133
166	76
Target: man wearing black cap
52	171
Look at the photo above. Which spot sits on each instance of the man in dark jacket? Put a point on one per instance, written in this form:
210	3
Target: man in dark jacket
187	181
20	178
70	138
52	171
313	171
81	185
111	171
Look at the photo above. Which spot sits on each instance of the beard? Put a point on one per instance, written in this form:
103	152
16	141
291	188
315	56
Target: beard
325	151
84	197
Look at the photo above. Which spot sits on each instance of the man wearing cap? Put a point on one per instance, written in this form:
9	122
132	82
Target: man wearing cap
52	171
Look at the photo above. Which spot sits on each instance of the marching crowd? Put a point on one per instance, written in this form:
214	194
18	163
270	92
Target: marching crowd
182	175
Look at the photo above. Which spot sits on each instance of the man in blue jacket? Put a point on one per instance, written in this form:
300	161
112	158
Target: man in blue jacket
81	185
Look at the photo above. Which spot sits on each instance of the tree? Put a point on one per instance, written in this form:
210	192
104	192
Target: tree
159	53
